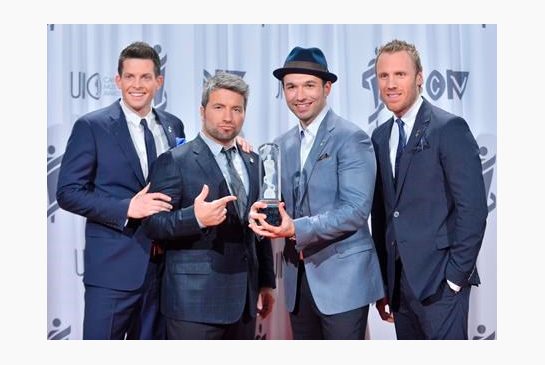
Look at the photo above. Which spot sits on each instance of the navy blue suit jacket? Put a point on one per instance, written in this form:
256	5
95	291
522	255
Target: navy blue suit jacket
209	273
438	212
99	174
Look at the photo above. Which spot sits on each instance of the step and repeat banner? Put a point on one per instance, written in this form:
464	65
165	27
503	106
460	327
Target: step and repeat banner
459	75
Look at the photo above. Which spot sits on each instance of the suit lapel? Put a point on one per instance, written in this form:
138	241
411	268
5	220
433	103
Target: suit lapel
121	133
421	123
383	152
322	137
291	167
167	127
214	177
209	166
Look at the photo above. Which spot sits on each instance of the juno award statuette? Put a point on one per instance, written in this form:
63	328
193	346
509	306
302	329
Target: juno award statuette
269	177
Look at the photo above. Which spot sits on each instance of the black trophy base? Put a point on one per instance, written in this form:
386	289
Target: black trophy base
272	213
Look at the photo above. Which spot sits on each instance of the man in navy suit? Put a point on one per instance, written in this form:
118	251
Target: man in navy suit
331	269
103	178
429	209
215	267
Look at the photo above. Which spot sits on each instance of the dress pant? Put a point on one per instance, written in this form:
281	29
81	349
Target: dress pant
243	329
442	316
133	315
308	323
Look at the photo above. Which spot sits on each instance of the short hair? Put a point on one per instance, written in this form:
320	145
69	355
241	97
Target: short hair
140	50
228	81
397	46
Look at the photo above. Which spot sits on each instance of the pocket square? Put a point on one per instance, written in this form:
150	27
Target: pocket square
323	157
179	141
422	144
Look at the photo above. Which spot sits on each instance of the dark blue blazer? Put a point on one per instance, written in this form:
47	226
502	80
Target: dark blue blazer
99	174
209	273
438	212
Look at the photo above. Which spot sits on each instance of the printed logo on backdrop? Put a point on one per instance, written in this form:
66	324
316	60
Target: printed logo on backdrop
59	331
53	166
207	75
453	82
160	100
85	84
279	93
369	82
56	138
487	152
57	135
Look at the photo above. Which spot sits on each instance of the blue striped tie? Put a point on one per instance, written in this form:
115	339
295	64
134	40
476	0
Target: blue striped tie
400	146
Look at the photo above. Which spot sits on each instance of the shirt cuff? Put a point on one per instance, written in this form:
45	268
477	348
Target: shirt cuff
201	226
453	286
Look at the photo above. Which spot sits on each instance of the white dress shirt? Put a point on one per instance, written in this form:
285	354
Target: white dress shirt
310	135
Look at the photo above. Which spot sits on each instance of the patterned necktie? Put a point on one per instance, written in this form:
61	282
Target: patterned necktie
237	187
151	152
400	146
298	179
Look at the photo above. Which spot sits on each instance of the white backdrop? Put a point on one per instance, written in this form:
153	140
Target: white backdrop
459	72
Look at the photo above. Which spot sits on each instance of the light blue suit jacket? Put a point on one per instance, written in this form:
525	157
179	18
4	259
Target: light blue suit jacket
330	201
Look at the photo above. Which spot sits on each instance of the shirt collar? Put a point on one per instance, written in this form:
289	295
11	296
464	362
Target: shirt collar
313	127
134	118
409	118
214	146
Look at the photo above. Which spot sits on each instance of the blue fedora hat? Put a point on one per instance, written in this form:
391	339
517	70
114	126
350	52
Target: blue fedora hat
310	61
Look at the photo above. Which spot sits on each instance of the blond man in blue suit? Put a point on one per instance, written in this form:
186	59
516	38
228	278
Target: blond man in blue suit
429	210
331	268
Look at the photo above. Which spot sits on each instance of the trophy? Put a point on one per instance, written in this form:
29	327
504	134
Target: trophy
269	177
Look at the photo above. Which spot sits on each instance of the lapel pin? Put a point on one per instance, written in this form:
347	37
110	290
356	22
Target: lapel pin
169	129
251	160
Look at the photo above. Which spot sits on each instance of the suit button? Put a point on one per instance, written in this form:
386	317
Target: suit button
245	258
396	214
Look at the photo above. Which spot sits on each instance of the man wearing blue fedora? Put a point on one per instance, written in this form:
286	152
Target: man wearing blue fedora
331	269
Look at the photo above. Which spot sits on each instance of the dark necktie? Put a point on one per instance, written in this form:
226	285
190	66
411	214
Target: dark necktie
301	141
151	152
237	187
400	146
